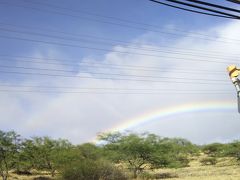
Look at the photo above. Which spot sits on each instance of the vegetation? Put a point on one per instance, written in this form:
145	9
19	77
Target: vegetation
117	156
208	161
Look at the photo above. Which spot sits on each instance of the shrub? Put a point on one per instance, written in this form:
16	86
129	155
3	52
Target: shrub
213	150
146	176
94	170
42	178
179	162
208	161
24	172
165	175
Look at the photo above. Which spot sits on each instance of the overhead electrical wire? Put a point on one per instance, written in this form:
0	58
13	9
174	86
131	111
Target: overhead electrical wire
105	22
204	8
107	88
110	50
87	18
217	12
234	1
118	79
214	5
115	18
102	43
120	19
52	61
97	73
114	74
190	10
130	44
111	93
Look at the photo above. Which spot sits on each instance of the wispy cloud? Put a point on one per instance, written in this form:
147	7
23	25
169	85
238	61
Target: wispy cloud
79	117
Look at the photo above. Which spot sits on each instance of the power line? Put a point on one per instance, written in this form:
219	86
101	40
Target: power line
104	65
214	5
225	15
115	74
111	40
110	93
105	22
234	1
109	50
96	42
109	78
190	10
119	19
107	88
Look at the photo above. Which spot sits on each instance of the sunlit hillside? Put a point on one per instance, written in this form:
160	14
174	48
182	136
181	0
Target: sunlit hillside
225	169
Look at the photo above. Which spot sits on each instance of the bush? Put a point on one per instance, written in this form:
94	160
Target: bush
208	161
180	162
42	178
94	170
165	175
146	176
213	150
19	172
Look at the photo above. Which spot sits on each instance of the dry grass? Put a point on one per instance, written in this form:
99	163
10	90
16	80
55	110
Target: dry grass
225	169
36	174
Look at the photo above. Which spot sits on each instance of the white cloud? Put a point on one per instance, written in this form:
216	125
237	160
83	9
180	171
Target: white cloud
79	117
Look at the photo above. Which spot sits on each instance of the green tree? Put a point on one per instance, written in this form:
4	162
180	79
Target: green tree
44	153
141	151
86	162
92	170
214	149
9	149
172	153
137	151
233	150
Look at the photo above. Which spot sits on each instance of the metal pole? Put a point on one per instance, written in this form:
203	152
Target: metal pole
236	83
233	73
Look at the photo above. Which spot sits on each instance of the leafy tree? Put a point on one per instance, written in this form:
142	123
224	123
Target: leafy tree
214	149
147	151
9	149
131	149
76	154
137	151
92	169
86	162
89	151
44	153
209	161
233	150
172	153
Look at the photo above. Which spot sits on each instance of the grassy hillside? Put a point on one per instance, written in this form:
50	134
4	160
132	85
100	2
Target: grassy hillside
123	156
225	169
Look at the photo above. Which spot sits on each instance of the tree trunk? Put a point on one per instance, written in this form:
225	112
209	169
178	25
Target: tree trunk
4	177
53	172
134	173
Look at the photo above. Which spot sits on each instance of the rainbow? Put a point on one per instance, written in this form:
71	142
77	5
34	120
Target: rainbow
158	114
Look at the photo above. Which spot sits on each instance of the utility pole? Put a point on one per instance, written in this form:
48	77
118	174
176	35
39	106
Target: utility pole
234	72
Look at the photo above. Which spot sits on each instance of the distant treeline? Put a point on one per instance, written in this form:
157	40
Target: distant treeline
117	156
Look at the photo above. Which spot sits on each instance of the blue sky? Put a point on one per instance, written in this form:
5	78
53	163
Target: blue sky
79	117
134	10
